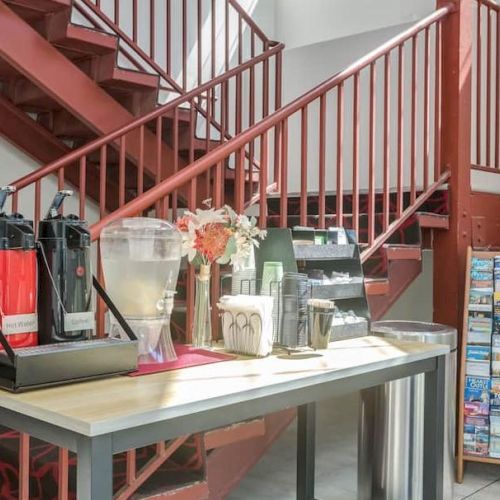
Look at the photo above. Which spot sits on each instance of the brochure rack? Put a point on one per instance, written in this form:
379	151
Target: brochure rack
476	352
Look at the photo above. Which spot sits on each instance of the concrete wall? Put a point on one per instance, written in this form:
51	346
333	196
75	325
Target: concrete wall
416	303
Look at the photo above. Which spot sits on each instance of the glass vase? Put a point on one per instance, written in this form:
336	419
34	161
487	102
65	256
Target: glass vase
202	322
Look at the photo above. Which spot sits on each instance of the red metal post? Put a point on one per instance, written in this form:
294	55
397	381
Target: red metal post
451	246
371	156
284	174
303	167
263	176
322	165
340	155
478	83
387	121
399	196
355	155
413	140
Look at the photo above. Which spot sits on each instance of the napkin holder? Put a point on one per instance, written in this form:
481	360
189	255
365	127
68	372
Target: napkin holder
68	362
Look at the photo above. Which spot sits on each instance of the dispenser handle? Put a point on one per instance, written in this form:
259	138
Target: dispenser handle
5	192
57	203
116	313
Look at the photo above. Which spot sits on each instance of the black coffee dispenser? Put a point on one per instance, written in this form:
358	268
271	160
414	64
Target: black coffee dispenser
65	277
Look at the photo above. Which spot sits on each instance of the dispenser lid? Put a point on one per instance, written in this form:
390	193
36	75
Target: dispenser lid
141	228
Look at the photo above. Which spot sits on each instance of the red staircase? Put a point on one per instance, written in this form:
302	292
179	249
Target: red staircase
386	179
47	115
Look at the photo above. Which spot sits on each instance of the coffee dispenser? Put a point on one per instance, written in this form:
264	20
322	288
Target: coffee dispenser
18	276
65	276
140	260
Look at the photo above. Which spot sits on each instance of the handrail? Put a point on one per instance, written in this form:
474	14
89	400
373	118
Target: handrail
279	117
104	140
491	4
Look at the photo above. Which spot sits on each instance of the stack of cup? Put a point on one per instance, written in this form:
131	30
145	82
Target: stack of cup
272	275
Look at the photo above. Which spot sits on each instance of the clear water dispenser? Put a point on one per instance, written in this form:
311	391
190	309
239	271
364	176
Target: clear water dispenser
141	258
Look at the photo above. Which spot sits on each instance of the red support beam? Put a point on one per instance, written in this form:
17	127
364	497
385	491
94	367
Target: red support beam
451	246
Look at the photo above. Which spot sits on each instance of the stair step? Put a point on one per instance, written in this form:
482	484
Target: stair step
35	9
376	286
403	252
234	433
64	125
28	96
78	40
105	71
230	175
433	221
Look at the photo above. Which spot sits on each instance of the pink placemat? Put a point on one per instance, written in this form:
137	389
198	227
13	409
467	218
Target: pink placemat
186	356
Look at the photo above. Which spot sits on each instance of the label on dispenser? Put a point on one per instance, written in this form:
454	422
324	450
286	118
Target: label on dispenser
79	321
19	323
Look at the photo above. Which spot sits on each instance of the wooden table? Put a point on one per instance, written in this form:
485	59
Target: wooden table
99	418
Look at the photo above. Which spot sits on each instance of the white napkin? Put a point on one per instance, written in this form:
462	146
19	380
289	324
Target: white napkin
247	323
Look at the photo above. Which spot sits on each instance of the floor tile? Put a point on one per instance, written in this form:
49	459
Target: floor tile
274	476
491	492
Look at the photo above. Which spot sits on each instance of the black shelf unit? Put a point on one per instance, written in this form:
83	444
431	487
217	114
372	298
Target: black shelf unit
297	250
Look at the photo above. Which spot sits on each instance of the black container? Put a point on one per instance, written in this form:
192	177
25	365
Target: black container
65	277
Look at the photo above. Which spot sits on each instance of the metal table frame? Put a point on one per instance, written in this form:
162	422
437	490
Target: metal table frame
95	454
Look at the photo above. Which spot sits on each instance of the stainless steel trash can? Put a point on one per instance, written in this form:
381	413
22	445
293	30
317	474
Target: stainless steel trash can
390	461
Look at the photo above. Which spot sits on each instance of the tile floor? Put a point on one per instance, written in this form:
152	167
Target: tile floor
273	477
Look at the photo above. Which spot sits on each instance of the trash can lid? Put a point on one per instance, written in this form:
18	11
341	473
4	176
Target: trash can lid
418	331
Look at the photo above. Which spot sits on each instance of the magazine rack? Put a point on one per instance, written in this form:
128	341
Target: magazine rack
67	362
462	456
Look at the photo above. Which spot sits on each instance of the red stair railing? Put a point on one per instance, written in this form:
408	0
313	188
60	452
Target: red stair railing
224	35
227	114
486	86
416	165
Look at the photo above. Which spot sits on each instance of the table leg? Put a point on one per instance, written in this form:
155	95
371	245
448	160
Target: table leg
94	477
434	431
306	443
366	441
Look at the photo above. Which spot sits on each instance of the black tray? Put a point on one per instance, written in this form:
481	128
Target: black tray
67	362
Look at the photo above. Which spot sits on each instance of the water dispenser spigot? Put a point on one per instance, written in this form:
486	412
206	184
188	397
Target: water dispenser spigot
5	192
166	304
57	203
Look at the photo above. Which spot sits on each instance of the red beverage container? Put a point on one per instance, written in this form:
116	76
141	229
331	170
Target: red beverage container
18	277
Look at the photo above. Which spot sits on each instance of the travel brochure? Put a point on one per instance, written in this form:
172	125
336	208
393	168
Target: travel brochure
482	360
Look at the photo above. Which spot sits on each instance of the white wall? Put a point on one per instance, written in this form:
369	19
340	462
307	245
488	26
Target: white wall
300	23
15	164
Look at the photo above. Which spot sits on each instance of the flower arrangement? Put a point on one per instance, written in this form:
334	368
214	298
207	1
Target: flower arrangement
218	235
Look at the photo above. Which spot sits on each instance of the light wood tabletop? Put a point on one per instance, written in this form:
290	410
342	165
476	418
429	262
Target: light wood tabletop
113	404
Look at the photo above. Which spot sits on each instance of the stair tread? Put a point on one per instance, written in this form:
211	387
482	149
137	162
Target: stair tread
433	221
127	79
84	40
377	286
403	252
39	6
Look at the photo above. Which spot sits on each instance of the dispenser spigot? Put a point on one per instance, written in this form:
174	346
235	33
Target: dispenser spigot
5	192
166	304
57	203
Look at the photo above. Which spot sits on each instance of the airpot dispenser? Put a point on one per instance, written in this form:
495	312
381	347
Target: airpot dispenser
18	276
65	276
141	259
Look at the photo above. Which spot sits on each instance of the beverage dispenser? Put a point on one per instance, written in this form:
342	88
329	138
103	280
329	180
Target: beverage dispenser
65	276
141	259
18	276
